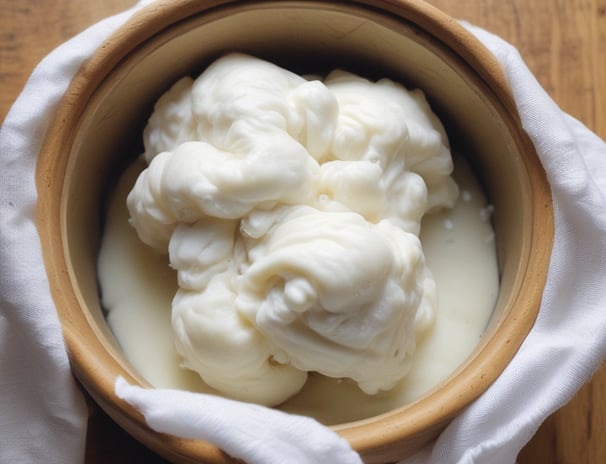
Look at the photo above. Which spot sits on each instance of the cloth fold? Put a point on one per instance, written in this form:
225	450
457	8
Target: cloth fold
43	414
253	433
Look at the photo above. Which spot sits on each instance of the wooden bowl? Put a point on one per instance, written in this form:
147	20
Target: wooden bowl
97	130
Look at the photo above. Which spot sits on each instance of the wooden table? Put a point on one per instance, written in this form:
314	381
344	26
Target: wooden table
563	42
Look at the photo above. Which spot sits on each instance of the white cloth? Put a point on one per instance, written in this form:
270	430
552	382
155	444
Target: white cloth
568	340
42	412
43	415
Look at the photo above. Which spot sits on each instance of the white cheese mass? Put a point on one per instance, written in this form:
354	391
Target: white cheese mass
290	209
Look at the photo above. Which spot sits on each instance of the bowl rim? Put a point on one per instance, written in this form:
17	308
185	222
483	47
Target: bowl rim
471	381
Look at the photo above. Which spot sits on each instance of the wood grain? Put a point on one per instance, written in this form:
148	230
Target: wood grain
564	44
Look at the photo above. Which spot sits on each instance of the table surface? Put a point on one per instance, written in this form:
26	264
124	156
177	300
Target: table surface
564	44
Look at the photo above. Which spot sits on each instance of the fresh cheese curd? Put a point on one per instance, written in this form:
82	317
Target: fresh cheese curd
291	211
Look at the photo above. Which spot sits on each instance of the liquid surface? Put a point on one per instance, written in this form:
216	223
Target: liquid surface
138	287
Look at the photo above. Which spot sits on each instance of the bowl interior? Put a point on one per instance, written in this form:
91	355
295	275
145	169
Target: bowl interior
103	134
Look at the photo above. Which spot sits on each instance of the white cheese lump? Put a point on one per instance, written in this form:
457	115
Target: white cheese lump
291	209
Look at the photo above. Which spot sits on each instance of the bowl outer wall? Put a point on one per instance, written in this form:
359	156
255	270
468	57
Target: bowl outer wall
378	439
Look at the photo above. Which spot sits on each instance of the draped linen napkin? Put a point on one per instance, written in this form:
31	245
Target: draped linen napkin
43	414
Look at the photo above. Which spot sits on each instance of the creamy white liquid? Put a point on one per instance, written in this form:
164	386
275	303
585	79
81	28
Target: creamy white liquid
137	287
